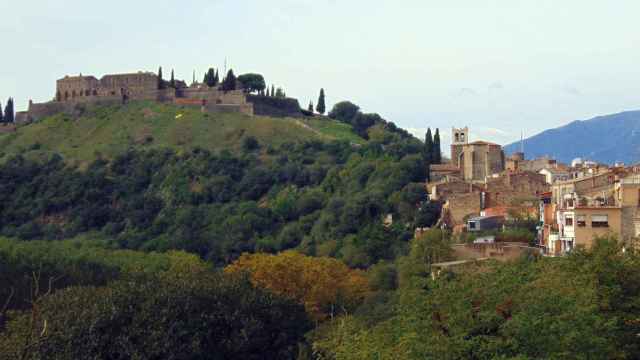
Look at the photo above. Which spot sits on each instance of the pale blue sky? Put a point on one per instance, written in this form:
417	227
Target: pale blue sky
498	66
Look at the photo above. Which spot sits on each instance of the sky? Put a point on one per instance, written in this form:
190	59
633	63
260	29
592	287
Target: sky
500	67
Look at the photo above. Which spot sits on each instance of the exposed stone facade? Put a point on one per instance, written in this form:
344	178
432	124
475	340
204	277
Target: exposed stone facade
463	199
509	189
73	93
477	160
446	172
133	86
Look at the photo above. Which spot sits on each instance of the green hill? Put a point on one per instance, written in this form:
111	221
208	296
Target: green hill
144	125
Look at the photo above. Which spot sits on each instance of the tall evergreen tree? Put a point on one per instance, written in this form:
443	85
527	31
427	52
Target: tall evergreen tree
428	147
310	106
172	82
1	116
229	82
9	115
437	152
160	80
216	78
210	78
321	107
273	90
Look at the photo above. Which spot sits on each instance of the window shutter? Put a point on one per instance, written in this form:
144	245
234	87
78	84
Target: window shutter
600	218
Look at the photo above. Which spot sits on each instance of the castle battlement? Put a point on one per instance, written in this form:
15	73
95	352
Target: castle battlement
75	92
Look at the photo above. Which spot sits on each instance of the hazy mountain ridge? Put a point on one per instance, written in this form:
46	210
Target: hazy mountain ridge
606	139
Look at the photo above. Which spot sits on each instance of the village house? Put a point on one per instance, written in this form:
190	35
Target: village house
577	211
476	180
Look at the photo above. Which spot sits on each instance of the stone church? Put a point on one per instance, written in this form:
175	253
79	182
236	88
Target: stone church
476	160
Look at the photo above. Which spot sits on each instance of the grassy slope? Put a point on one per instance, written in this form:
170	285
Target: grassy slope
111	130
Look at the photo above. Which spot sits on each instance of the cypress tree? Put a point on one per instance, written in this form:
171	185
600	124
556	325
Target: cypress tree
321	108
8	112
1	116
204	79
273	90
311	106
160	80
229	82
428	147
216	78
210	78
437	152
172	82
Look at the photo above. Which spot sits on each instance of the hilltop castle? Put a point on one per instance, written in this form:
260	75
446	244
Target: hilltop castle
74	93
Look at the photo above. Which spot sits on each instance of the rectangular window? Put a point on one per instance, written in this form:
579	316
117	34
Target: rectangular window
568	221
599	221
581	220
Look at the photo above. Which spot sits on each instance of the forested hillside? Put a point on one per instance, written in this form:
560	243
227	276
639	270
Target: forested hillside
324	192
270	245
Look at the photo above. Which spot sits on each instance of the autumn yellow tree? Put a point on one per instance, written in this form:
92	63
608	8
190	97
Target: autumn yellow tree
325	286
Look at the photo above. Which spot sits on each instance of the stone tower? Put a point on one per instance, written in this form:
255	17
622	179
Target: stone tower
459	138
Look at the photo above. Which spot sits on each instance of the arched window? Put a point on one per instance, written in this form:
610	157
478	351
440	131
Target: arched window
66	95
95	92
73	93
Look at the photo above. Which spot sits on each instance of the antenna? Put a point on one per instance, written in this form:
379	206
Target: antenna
522	141
194	78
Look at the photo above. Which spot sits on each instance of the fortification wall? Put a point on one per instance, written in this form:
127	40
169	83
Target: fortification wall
463	205
510	188
75	94
275	107
215	96
73	88
39	111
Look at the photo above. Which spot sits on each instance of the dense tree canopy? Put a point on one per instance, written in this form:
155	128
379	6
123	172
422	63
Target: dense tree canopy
344	111
325	286
195	315
581	307
322	198
252	82
211	78
229	82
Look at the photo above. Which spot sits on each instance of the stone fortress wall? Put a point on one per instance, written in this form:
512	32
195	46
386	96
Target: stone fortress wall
76	92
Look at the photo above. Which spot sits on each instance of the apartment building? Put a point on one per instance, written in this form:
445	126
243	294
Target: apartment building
577	211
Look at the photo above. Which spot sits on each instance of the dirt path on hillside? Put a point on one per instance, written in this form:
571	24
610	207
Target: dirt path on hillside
305	126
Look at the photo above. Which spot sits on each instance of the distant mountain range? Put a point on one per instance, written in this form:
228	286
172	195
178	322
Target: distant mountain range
605	139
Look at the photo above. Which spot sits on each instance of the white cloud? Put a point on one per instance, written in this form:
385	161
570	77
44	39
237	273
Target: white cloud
465	91
496	86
